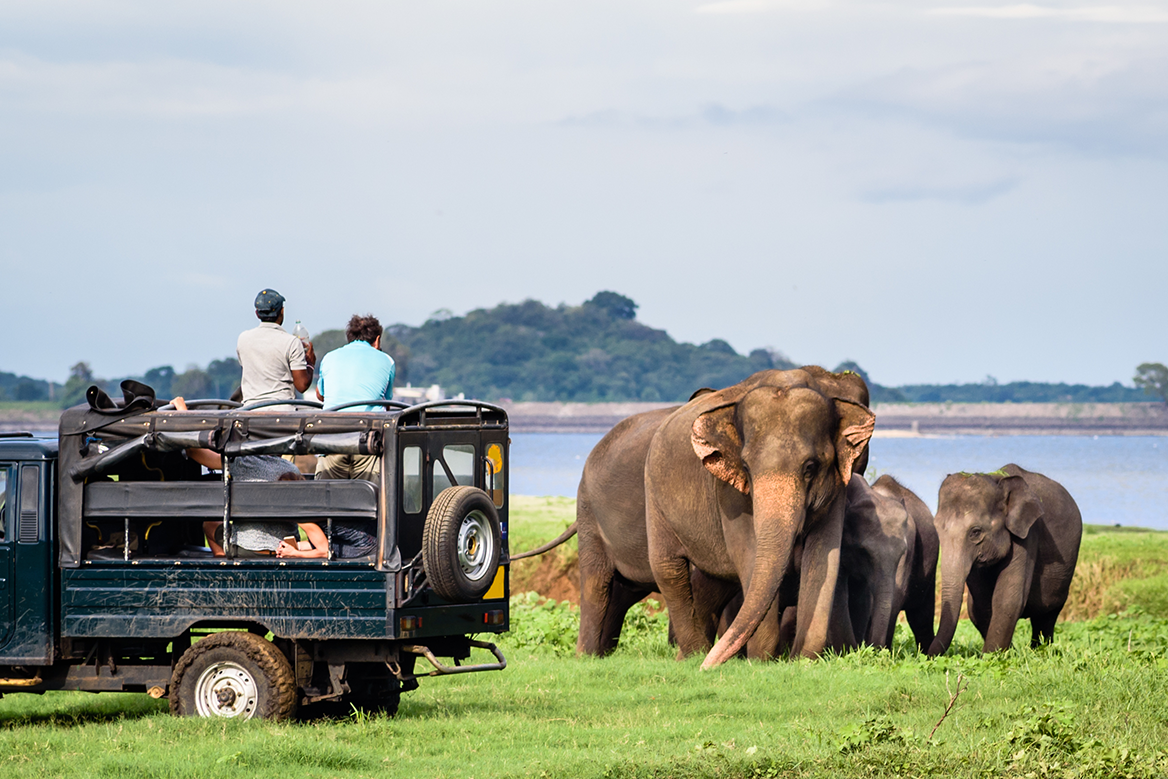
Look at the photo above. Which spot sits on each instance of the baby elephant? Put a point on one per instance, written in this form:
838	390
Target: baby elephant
888	562
1012	537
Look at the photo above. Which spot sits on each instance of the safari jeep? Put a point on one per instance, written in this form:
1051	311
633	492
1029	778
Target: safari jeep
106	583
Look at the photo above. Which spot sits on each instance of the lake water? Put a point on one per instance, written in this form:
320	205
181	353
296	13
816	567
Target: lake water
1115	480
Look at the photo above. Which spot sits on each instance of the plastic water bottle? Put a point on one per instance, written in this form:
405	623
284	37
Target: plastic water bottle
301	332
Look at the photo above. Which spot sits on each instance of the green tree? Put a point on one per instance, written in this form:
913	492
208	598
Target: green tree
80	378
617	306
1153	377
192	383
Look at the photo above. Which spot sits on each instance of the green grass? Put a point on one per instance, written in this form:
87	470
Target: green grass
1093	704
1086	706
43	407
534	521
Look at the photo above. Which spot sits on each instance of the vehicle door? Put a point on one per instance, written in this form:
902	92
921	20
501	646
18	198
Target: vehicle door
430	462
6	540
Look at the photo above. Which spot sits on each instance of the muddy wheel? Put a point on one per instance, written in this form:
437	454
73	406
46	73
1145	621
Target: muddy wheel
233	675
461	544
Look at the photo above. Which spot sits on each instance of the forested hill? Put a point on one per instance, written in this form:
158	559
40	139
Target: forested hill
596	351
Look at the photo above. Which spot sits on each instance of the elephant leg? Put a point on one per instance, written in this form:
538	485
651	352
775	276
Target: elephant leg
1042	629
787	630
710	596
920	611
857	604
596	582
818	573
1009	593
623	594
764	644
672	572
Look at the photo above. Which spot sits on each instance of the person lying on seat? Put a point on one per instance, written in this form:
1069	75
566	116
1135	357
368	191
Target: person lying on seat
252	539
350	539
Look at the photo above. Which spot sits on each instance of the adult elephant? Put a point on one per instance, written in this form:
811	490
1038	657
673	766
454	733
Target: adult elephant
771	466
611	511
1012	538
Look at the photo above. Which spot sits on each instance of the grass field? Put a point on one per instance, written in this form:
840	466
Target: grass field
1094	704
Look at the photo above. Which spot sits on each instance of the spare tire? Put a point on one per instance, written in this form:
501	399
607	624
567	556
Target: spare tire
461	544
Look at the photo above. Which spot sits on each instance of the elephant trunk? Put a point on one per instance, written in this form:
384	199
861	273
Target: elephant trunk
955	568
778	516
883	620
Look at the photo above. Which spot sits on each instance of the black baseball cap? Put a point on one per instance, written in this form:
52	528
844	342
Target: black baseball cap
269	302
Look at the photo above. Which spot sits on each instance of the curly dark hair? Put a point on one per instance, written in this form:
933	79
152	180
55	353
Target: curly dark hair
363	328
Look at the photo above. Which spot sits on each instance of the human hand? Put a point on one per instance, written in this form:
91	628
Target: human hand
179	404
309	353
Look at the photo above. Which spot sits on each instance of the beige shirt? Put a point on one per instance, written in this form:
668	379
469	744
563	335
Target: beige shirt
269	354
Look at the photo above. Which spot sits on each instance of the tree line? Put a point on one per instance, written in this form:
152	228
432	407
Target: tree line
597	351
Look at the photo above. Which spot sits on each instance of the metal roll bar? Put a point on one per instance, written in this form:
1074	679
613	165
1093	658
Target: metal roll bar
266	403
384	403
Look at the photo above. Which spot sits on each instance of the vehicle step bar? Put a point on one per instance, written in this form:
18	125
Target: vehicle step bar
442	670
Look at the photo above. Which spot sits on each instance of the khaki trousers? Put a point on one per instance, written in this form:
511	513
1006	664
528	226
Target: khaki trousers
349	466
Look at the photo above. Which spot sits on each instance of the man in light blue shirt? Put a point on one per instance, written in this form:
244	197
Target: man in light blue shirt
359	370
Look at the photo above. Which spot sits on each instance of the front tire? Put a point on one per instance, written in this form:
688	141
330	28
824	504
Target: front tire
234	675
461	544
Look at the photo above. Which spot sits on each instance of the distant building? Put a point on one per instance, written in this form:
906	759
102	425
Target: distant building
414	395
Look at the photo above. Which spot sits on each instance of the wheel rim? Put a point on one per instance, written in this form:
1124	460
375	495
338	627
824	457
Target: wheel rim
226	689
476	545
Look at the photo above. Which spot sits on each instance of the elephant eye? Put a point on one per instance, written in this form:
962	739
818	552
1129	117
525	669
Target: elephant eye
810	468
975	535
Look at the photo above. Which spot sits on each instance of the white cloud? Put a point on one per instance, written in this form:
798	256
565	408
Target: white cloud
760	6
1104	13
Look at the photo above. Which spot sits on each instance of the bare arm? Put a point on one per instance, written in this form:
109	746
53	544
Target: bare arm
316	537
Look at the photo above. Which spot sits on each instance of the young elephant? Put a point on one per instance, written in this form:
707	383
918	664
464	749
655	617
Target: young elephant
1012	537
877	554
921	596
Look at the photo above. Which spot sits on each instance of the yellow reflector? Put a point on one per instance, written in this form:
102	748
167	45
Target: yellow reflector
496	590
495	455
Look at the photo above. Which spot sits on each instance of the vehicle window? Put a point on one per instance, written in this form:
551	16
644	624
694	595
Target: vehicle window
495	473
3	503
459	459
412	479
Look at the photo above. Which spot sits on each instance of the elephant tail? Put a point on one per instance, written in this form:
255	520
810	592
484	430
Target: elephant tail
561	538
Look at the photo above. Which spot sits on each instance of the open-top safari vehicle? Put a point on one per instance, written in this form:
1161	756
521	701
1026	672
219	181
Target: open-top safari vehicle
106	584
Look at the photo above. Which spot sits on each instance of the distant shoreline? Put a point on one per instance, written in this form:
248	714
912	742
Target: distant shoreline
893	420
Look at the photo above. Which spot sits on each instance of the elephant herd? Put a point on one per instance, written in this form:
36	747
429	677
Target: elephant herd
747	509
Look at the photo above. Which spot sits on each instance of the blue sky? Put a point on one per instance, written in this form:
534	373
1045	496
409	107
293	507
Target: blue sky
938	191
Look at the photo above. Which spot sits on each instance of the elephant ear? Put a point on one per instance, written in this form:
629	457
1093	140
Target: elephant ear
856	424
718	444
1023	506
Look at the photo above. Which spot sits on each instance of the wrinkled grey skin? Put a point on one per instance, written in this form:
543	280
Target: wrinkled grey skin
920	596
771	465
613	541
1012	537
878	556
610	525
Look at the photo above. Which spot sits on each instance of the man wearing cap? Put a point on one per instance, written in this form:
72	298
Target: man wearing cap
276	365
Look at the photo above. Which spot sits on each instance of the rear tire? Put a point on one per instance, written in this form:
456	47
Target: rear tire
461	544
233	675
